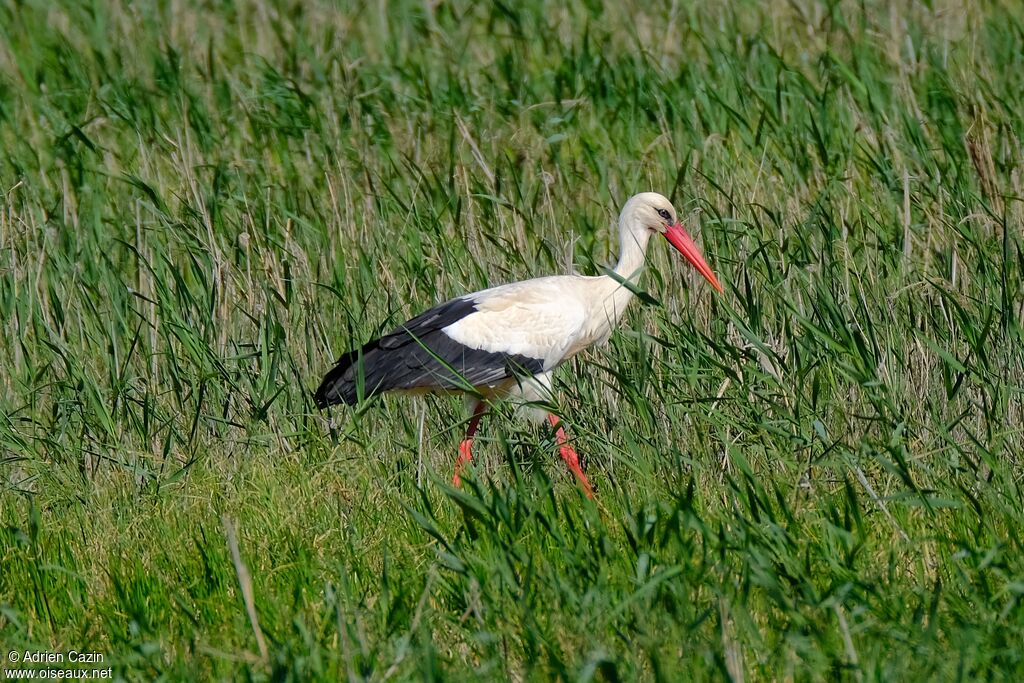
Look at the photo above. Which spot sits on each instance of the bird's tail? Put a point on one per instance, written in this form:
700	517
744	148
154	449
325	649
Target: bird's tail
341	384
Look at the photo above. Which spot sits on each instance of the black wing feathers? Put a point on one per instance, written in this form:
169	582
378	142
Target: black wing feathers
419	355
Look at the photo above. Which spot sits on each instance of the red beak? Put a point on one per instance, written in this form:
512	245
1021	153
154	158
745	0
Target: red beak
684	244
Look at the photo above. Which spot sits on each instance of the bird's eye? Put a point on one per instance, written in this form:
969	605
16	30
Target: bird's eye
664	214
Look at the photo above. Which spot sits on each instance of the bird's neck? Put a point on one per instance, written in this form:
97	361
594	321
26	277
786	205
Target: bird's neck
632	253
615	299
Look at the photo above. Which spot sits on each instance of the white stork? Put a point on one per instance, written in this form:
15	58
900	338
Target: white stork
506	341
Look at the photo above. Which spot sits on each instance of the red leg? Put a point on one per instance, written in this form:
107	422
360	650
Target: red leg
568	454
466	447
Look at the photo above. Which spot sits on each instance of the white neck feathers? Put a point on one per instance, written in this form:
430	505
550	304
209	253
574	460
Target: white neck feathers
633	240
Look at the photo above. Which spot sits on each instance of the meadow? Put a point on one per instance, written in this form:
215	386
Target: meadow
815	476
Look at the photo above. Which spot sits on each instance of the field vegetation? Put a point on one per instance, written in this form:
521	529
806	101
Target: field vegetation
815	476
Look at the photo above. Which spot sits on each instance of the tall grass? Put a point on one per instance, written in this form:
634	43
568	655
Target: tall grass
816	476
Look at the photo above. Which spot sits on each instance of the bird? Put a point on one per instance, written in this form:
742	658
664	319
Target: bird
505	342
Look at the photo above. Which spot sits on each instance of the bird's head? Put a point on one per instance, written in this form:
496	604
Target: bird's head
650	212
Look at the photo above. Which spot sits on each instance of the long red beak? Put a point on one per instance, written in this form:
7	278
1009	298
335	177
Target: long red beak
684	244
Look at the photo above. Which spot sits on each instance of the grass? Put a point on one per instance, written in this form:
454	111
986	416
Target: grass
816	476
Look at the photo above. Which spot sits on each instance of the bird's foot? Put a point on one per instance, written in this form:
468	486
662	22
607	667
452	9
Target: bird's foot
465	455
